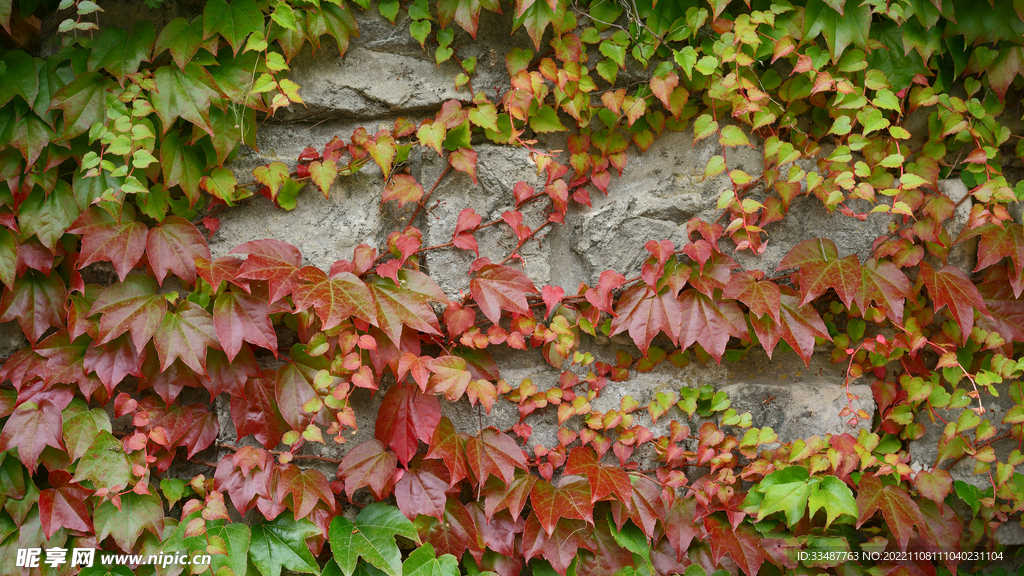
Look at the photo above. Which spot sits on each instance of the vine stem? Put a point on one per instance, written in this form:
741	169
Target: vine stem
423	201
524	241
314	457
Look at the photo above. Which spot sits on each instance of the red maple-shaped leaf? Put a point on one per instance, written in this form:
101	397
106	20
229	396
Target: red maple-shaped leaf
462	237
244	476
398	307
821	269
305	488
224	376
498	288
998	242
949	286
122	243
1006	311
799	325
406	416
645	508
645	314
292	391
450	447
64	505
900	511
31	428
173	246
423	489
456	532
709	324
277	262
604	480
223	269
166	383
194	426
498	533
570	499
761	296
130	306
113	361
560	547
883	283
403	188
37	302
334	299
681	526
368	464
464	160
450	376
256	413
513	495
741	545
494	452
240	317
185	333
608	556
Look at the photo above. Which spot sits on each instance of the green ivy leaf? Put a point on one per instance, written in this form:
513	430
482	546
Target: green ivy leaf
546	120
47	216
182	38
282	544
371	537
834	496
105	464
125	525
234	21
184	94
83	101
839	30
120	52
424	562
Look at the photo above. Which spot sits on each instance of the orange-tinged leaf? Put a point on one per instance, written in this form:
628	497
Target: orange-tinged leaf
334	299
464	160
560	547
407	416
512	495
256	413
306	488
603	480
821	269
571	500
273	260
645	314
130	306
997	243
934	484
323	174
798	326
450	376
742	545
494	452
709	324
31	428
761	296
403	188
398	307
498	288
239	317
104	238
883	283
450	446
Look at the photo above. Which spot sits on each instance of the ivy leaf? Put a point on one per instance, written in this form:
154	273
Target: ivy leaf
449	446
119	51
31	428
839	29
424	562
900	511
372	538
407	416
422	489
821	269
125	525
834	496
182	38
559	548
83	101
645	314
112	362
708	324
122	243
256	413
742	544
997	243
334	19
306	487
398	307
281	543
272	260
336	298
465	12
604	480
105	464
132	305
787	497
498	288
238	318
233	20
292	391
681	527
47	217
456	532
181	166
173	246
761	296
883	283
368	464
184	94
64	507
464	160
494	452
949	286
37	302
81	429
324	174
570	500
185	333
798	327
403	188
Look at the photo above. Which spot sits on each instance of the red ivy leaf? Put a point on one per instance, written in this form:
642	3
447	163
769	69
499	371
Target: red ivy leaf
571	500
949	286
185	334
104	238
31	428
238	318
450	446
397	307
898	508
761	296
559	548
272	260
742	544
368	464
403	188
335	299
512	495
464	160
645	314
799	326
456	532
173	246
494	452
223	269
306	488
498	288
422	489
883	283
821	269
604	480
708	324
407	416
132	305
256	413
64	507
37	302
292	391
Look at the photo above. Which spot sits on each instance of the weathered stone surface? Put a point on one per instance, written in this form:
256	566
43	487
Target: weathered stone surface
11	339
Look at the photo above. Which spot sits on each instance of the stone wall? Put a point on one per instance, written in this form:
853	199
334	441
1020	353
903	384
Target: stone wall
386	75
